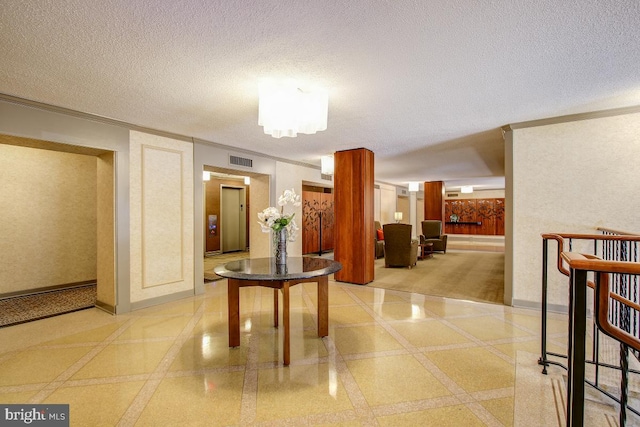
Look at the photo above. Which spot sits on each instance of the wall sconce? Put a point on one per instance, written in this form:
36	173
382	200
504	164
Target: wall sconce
247	180
206	176
397	216
327	165
284	109
414	186
466	189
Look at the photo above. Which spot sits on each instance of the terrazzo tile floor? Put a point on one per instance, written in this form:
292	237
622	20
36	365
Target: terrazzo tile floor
391	359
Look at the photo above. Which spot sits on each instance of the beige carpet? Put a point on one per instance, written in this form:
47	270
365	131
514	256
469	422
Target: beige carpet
468	275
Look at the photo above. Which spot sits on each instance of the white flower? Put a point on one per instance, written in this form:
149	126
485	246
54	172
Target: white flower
271	219
267	218
289	196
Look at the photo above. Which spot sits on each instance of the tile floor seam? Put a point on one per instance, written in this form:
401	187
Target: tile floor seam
464	333
354	393
106	380
415	406
140	402
249	395
483	414
496	393
439	374
76	366
517	326
135	409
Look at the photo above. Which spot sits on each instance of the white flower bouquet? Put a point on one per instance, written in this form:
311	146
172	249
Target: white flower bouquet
273	219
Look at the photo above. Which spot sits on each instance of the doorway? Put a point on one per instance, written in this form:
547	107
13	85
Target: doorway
65	197
233	219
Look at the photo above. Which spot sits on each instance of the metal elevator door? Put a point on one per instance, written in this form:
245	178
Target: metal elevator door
232	213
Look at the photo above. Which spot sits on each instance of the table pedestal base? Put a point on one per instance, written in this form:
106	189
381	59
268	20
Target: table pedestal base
234	286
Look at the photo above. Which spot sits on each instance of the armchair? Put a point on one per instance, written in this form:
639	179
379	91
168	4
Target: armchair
399	248
379	243
432	233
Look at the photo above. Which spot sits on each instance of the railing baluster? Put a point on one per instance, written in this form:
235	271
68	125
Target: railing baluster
543	340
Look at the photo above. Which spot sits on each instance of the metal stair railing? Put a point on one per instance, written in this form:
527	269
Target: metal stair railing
617	314
579	266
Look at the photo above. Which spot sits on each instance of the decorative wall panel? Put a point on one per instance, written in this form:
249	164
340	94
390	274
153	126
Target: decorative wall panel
162	218
474	216
162	232
317	222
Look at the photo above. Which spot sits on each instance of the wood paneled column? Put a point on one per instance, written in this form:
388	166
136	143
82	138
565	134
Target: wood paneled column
434	200
354	227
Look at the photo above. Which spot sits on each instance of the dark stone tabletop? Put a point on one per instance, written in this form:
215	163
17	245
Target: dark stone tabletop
266	268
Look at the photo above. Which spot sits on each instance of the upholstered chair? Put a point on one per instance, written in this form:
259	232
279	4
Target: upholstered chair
400	250
379	242
432	233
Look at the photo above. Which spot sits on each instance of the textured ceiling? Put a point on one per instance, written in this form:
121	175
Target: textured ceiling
425	85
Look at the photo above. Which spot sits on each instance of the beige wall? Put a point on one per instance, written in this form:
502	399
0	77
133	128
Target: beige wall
162	225
106	266
48	218
388	203
568	177
403	206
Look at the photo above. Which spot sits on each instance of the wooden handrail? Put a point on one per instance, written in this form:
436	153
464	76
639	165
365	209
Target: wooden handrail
586	262
558	238
602	267
630	237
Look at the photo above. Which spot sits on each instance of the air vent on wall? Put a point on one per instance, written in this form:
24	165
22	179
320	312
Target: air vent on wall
452	195
240	161
326	177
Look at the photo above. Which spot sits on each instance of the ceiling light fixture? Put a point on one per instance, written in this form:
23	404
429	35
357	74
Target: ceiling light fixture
285	109
327	165
466	189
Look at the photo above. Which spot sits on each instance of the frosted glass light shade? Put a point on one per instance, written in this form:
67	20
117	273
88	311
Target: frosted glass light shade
414	186
327	165
397	216
286	110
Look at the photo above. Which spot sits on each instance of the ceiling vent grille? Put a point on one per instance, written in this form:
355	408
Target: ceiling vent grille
240	161
326	177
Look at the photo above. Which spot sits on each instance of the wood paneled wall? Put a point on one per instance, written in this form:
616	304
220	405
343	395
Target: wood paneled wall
317	219
354	229
488	212
434	200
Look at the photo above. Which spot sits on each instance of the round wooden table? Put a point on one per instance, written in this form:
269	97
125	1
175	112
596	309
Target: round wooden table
265	272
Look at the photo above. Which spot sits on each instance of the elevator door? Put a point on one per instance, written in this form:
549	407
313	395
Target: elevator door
233	216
